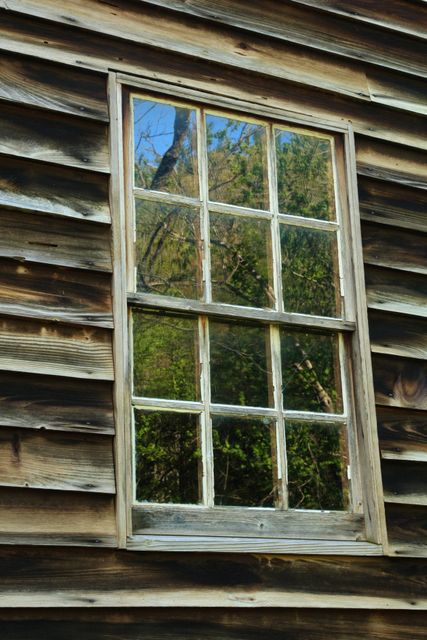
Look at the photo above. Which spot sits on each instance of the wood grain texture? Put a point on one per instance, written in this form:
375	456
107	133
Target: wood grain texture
54	190
52	349
407	529
63	242
217	624
395	248
191	37
386	161
398	335
392	204
44	136
30	512
150	519
47	40
400	382
402	433
92	578
405	482
295	23
66	462
55	404
398	15
53	293
52	86
398	292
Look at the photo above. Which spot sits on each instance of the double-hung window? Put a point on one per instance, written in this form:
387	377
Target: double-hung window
246	359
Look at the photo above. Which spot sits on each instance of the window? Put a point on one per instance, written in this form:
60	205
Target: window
247	397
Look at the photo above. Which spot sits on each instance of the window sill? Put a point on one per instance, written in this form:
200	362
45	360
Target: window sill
218	544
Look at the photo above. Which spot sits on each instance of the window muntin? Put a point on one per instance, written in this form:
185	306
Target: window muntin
267	230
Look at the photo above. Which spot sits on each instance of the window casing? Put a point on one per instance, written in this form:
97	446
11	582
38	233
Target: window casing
272	363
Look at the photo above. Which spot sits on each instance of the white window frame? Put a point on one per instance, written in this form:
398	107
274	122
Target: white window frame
360	532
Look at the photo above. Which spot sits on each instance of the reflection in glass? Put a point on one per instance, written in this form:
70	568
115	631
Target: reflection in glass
165	147
244	450
237	162
317	466
309	271
304	175
311	372
239	373
165	356
168	249
168	457
240	257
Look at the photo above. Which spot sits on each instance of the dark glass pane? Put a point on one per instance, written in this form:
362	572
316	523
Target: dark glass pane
239	371
244	450
311	372
165	147
165	356
304	173
237	162
168	457
317	466
309	271
168	249
240	257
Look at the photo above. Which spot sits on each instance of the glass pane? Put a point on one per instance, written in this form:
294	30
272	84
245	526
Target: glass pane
311	372
239	371
244	450
165	356
317	466
168	457
240	258
304	175
165	144
168	249
237	162
309	271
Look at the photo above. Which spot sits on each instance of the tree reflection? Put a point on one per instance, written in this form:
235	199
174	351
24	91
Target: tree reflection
169	257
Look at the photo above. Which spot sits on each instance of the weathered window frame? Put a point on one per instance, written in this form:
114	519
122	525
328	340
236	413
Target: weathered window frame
361	532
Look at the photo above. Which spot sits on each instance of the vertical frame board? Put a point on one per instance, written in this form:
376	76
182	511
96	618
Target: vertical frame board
120	341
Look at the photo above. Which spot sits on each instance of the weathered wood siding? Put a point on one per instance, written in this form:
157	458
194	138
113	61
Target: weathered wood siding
360	61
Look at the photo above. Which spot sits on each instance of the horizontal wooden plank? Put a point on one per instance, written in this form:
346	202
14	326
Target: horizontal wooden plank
400	382
398	335
51	40
92	578
206	41
32	512
52	86
399	293
65	242
167	520
307	27
402	433
394	248
392	204
47	292
225	544
405	482
407	529
212	624
44	188
286	624
53	349
55	404
397	15
386	161
60	461
44	136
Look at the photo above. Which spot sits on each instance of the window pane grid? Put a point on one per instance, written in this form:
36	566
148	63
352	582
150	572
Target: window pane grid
278	217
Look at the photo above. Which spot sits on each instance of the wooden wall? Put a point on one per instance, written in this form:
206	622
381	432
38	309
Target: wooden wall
351	60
